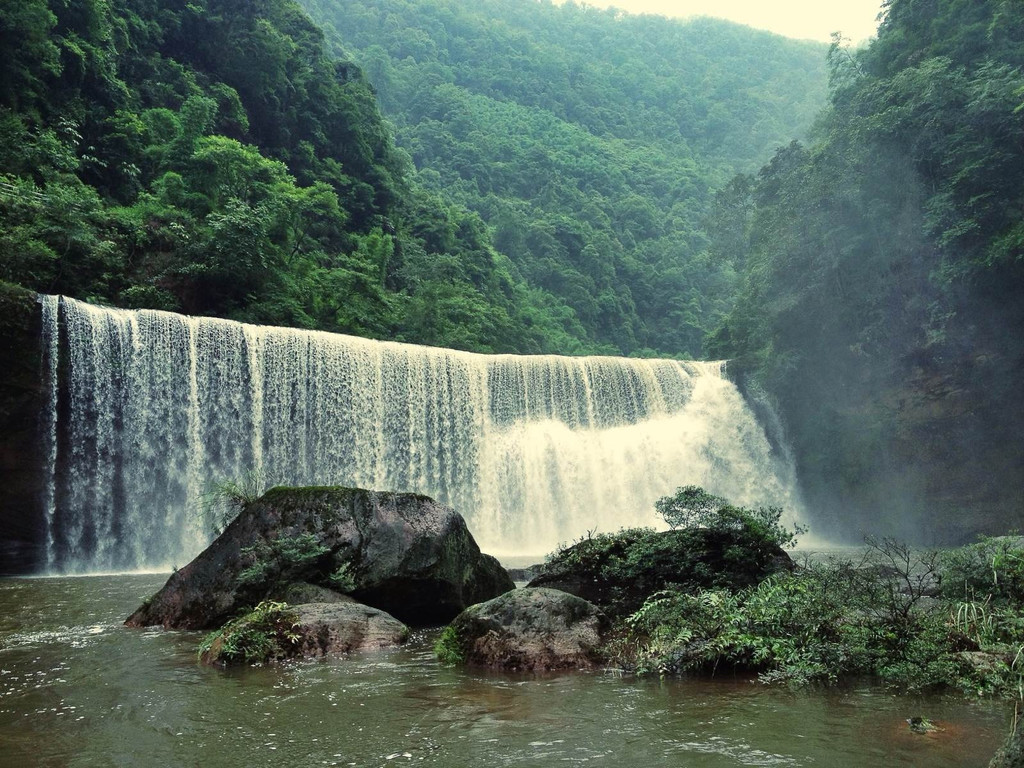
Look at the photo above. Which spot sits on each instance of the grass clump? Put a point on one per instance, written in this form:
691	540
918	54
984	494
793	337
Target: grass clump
226	498
449	648
265	634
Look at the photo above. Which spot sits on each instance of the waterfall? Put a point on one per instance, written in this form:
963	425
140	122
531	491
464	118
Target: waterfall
147	408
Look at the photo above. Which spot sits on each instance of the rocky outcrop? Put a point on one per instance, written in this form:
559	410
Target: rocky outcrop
22	461
308	630
1011	754
619	571
327	629
300	592
525	574
402	553
528	629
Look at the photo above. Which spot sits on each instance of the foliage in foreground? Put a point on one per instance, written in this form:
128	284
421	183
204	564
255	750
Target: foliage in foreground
265	634
835	619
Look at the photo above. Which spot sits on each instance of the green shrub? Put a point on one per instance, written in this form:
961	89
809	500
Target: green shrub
448	647
992	568
342	579
288	558
265	634
691	507
788	627
823	623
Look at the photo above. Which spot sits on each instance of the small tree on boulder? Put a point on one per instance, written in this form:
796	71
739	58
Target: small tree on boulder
691	507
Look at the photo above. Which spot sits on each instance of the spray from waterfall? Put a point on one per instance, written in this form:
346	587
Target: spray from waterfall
151	406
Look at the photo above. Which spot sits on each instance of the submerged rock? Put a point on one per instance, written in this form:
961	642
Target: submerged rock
402	553
922	725
528	629
277	631
619	571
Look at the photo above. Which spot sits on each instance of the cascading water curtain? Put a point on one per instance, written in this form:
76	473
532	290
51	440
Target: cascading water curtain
148	407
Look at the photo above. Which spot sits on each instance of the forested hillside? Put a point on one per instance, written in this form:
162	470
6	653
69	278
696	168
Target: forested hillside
591	142
881	304
211	158
217	157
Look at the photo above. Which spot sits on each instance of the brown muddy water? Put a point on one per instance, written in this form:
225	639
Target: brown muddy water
78	689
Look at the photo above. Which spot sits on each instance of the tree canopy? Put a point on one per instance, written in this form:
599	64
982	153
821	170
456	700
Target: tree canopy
590	142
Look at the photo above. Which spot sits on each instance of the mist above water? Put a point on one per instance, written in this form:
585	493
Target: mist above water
147	408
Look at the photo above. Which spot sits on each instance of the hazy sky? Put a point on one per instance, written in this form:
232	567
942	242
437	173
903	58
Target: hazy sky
806	19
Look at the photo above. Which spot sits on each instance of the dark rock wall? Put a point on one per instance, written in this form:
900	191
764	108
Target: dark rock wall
933	456
22	460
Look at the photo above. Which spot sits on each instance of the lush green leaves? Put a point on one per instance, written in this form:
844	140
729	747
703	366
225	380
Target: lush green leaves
211	158
594	172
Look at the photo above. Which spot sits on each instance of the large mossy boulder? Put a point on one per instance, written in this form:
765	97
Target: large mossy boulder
528	629
278	631
618	571
402	553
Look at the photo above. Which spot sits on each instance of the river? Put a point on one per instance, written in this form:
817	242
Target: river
79	689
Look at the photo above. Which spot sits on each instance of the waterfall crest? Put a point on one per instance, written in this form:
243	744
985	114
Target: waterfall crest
148	407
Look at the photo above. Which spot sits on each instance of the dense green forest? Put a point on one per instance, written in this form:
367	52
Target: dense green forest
881	303
217	157
589	141
210	157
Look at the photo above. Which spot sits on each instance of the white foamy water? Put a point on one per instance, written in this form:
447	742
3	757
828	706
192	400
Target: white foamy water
148	407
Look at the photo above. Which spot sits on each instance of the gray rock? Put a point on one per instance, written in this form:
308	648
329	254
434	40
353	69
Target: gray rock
402	553
529	629
277	631
301	592
334	628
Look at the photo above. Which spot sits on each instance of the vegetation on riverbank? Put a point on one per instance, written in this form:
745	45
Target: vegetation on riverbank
912	620
881	616
724	547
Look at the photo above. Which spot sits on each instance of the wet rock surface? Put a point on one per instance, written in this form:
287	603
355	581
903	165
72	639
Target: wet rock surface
402	553
530	629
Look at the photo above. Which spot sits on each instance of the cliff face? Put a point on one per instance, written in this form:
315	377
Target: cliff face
22	460
932	454
959	437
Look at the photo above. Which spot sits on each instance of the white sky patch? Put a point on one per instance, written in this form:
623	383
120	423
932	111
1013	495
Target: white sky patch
801	19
